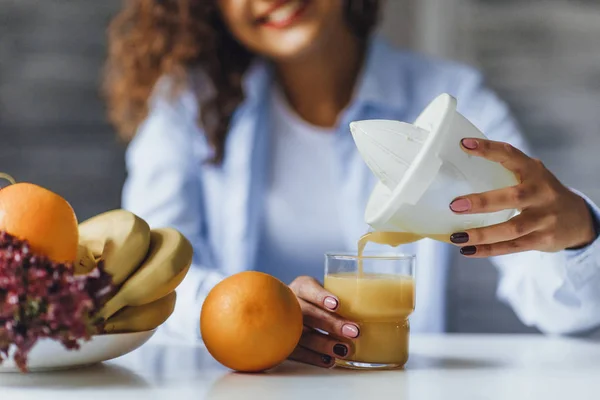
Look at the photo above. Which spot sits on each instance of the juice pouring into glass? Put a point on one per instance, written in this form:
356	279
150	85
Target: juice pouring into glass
377	292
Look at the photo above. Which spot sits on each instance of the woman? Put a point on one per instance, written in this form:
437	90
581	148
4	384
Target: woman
238	114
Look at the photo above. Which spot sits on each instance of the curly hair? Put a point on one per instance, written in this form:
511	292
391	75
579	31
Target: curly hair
153	38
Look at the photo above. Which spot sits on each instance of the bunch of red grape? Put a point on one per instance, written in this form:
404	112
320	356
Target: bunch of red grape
42	299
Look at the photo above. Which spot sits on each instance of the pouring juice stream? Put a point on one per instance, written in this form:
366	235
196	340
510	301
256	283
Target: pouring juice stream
393	239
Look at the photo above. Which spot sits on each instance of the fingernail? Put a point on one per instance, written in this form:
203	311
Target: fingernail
350	331
468	250
330	303
460	237
460	205
341	350
326	359
470	144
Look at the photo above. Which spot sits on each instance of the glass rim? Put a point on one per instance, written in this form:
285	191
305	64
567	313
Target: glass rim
390	256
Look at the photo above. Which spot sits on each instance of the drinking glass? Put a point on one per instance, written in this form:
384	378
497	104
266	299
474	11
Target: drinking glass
377	291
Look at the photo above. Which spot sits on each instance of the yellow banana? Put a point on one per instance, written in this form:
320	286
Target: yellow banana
166	289
167	263
142	318
120	238
86	261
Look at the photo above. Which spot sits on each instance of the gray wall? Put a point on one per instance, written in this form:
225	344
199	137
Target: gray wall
52	125
543	56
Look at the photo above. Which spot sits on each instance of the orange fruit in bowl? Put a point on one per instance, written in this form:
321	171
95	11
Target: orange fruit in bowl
251	322
43	218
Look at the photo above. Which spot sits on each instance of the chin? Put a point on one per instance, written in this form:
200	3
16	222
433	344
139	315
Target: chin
291	45
287	54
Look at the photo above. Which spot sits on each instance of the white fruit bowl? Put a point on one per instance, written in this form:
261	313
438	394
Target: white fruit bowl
49	355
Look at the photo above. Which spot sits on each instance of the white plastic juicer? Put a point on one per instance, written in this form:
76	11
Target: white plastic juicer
421	168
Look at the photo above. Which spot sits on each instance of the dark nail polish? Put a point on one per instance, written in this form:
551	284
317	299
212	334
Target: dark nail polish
468	250
341	350
326	359
460	237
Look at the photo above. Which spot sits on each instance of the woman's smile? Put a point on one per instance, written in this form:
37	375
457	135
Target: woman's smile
284	30
283	13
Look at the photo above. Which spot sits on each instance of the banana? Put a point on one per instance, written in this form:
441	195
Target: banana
85	262
167	263
120	238
142	318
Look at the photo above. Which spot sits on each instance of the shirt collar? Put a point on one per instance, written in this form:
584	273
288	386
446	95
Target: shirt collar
380	84
257	80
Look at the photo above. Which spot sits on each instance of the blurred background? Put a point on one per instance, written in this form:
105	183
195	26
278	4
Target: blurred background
542	56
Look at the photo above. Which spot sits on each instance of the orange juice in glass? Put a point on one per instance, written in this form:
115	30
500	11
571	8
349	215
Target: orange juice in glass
378	293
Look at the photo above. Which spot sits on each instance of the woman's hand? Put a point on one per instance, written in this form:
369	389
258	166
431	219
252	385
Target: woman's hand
552	217
318	308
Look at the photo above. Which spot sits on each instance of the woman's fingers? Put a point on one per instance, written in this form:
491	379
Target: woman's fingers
552	217
318	318
530	191
519	226
324	344
307	356
510	157
515	197
317	304
309	289
524	243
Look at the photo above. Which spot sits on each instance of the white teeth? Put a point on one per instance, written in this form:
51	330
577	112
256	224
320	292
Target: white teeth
285	12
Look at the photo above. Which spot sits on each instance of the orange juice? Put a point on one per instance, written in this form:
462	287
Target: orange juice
380	304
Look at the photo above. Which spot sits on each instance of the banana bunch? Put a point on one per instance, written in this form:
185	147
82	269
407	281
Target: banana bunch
146	265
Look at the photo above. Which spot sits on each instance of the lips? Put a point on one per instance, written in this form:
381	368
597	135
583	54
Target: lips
283	13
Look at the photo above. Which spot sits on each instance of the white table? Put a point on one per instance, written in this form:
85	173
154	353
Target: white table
445	367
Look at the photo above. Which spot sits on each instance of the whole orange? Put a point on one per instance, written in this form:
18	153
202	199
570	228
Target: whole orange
43	218
251	322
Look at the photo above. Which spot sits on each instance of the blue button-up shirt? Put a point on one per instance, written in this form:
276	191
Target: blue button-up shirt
219	208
